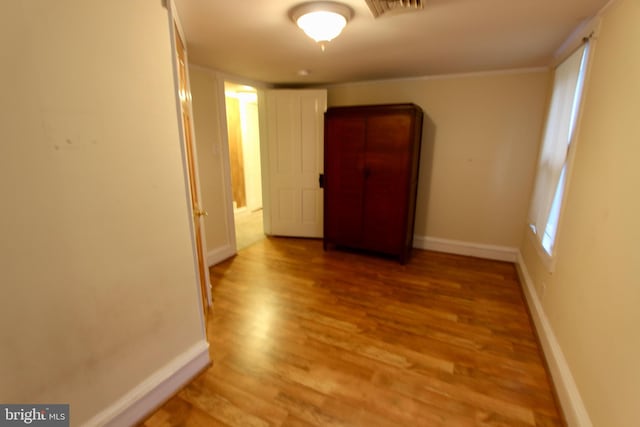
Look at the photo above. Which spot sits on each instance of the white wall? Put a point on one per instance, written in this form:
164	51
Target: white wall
98	276
479	147
592	300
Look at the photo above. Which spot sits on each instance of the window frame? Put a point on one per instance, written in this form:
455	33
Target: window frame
537	237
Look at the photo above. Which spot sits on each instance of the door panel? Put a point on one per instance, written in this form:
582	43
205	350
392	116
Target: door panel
295	140
189	141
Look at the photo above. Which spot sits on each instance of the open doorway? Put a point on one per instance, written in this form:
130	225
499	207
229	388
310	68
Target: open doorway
244	157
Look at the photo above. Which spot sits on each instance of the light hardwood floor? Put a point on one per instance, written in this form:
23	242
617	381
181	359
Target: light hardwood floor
304	337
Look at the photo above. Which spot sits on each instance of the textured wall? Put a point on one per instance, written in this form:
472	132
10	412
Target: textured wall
98	279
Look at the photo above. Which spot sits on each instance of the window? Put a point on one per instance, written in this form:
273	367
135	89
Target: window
559	133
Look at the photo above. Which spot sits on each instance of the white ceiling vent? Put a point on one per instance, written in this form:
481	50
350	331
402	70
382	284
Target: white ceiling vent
380	7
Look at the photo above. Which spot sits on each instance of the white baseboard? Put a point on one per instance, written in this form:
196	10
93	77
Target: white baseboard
568	394
499	253
220	254
155	390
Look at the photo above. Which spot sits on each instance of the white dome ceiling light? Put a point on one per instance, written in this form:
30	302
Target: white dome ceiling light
321	20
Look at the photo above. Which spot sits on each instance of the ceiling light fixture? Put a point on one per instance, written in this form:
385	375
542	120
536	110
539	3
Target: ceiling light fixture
321	20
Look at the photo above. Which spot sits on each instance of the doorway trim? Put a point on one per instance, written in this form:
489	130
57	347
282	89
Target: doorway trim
205	300
220	77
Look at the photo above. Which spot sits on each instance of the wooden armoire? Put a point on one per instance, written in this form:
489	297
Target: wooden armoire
371	161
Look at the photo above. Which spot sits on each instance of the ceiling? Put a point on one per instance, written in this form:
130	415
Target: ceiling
256	40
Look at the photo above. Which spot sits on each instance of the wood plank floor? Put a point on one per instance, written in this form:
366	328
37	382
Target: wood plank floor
303	337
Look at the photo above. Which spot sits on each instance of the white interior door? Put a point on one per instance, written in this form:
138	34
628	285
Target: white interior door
295	141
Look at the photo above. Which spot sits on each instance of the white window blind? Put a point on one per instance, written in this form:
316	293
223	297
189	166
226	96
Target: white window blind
559	130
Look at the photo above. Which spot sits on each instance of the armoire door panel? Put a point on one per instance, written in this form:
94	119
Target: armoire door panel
344	179
346	223
383	225
388	133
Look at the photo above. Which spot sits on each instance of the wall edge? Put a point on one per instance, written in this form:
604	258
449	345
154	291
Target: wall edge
155	389
567	390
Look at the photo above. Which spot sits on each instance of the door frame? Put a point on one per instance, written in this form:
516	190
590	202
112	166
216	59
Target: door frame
189	155
221	78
